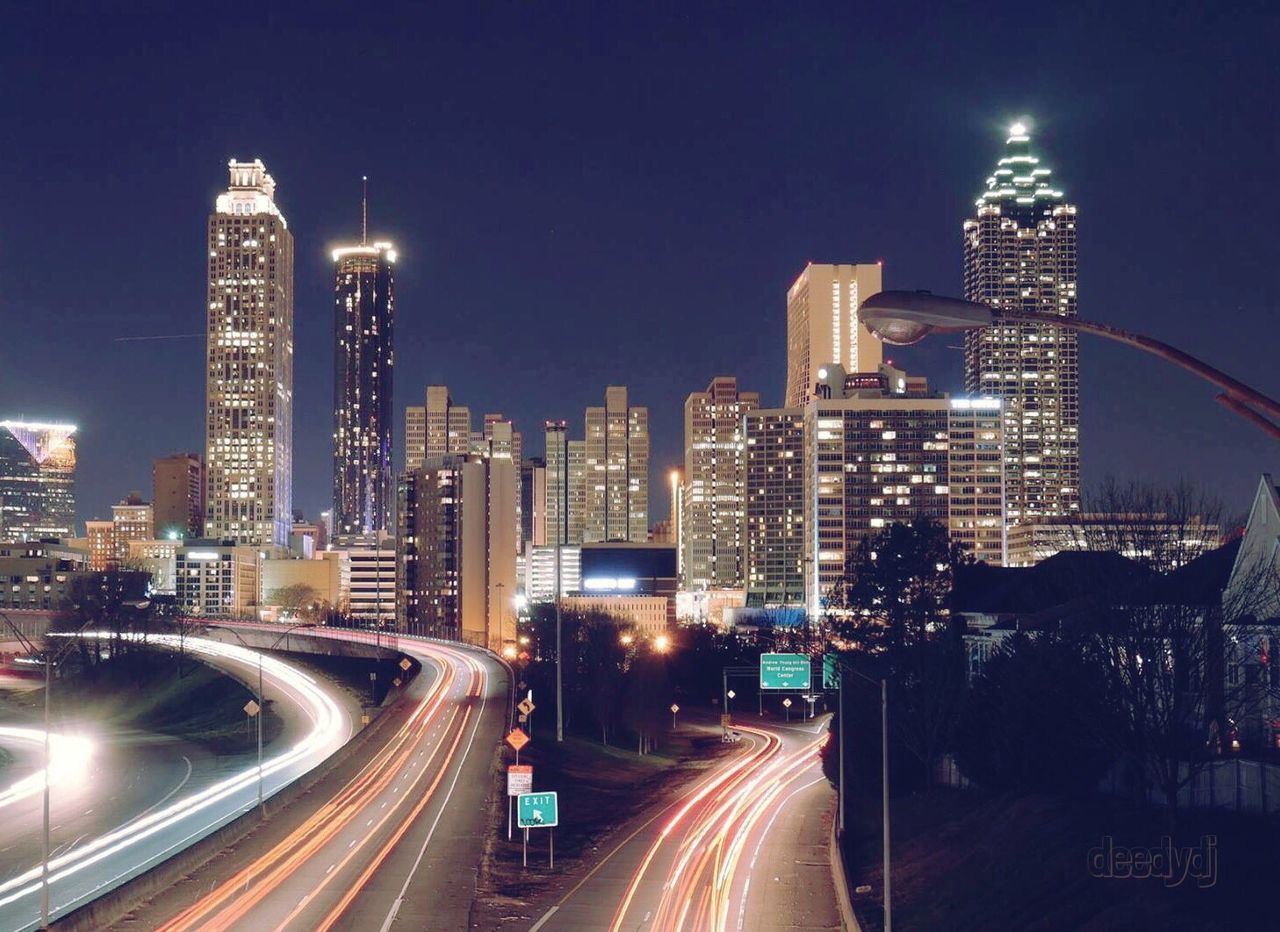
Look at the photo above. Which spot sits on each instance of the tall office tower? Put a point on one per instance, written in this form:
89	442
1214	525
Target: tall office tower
498	438
714	491
364	323
877	453
177	496
566	485
823	326
533	501
37	481
132	519
436	428
1020	255
617	465
249	379
456	560
577	453
774	547
976	512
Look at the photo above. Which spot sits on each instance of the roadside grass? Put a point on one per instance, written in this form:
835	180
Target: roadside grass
601	789
962	859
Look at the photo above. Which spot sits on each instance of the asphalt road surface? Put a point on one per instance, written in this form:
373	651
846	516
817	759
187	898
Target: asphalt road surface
141	806
745	848
390	841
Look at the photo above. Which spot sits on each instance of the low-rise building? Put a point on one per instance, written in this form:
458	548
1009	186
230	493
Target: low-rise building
37	576
216	578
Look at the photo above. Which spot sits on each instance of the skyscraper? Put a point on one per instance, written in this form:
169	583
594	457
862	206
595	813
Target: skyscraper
774	549
37	481
249	374
714	489
1020	254
364	319
823	325
617	470
177	496
566	485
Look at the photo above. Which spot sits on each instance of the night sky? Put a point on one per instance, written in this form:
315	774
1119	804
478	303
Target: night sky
582	196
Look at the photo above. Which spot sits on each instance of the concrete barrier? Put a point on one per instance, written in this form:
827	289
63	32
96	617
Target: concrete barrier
840	878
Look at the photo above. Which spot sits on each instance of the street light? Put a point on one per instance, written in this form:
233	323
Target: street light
906	317
662	643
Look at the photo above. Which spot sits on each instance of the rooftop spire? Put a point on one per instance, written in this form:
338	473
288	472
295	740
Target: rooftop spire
364	210
1019	181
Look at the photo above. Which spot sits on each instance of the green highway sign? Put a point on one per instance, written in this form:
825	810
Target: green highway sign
537	810
784	671
830	671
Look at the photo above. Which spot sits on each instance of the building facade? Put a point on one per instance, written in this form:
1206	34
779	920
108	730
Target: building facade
131	520
177	496
249	374
1020	255
533	502
566	485
38	576
216	578
774	547
823	325
456	550
711	512
364	322
100	544
617	470
37	481
436	428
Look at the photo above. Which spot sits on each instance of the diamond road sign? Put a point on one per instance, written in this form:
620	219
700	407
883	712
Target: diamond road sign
517	739
537	810
405	665
784	671
251	708
526	706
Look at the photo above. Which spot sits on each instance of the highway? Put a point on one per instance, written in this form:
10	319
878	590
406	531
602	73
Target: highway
743	849
163	811
392	840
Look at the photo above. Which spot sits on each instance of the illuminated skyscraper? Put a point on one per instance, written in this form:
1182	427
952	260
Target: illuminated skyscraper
364	318
249	375
823	326
1020	254
714	490
436	428
37	481
617	470
566	492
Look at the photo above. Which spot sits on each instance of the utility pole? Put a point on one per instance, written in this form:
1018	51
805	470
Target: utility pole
559	649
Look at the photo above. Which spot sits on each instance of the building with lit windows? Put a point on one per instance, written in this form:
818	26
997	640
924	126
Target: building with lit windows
364	319
435	428
177	496
216	578
131	519
100	542
878	451
823	325
37	481
249	374
617	470
533	502
566	485
1020	255
712	498
773	547
159	558
456	550
37	576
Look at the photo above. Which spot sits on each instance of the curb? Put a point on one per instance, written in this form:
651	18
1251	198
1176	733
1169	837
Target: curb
841	881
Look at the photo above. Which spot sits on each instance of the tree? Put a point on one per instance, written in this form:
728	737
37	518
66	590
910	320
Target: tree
896	585
299	600
114	601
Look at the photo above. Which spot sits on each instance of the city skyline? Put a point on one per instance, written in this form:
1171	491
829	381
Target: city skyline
1184	433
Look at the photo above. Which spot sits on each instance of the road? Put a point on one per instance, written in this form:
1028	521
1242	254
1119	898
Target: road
124	840
744	849
392	841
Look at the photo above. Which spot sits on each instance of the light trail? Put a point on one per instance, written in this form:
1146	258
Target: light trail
707	836
69	757
140	844
232	903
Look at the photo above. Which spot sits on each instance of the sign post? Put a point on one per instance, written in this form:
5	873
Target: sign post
519	780
674	709
538	810
786	704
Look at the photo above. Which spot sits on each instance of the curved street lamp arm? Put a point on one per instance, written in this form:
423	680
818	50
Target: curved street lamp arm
1239	397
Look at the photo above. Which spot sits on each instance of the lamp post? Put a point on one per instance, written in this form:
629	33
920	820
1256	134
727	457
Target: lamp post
906	317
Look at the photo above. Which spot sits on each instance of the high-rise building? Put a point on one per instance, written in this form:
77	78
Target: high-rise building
249	375
436	428
100	538
132	519
878	451
823	325
976	506
566	485
177	496
364	321
37	481
456	552
1020	255
533	501
774	546
714	489
617	470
